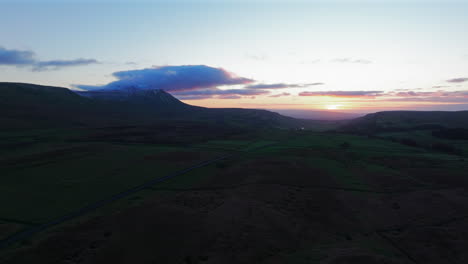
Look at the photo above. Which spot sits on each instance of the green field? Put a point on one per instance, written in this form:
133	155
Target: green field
299	174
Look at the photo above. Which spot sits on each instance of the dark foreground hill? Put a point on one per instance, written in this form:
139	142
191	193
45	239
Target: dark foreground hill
144	178
29	105
277	197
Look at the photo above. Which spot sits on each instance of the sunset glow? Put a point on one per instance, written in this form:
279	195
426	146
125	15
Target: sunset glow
362	57
333	107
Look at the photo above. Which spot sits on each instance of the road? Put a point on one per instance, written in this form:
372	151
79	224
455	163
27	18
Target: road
27	233
98	204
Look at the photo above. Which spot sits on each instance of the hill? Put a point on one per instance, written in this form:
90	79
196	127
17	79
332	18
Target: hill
158	99
407	120
144	171
30	105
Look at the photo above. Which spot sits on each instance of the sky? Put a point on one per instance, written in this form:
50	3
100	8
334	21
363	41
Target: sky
349	56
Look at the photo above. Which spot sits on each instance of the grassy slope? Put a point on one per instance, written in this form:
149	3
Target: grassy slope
286	196
32	106
371	174
401	120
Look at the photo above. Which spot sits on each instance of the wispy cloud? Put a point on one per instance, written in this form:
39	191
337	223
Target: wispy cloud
343	93
281	85
57	64
436	97
440	93
257	57
16	57
229	97
280	95
217	93
457	80
21	58
351	60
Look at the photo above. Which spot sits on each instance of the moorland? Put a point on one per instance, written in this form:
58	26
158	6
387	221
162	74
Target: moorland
145	178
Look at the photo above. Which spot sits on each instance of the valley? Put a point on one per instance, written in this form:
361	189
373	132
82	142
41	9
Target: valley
200	189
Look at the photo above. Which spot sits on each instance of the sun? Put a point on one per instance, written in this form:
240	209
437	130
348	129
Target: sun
333	106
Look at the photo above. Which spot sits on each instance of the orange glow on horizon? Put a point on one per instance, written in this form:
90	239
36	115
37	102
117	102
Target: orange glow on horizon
318	103
333	106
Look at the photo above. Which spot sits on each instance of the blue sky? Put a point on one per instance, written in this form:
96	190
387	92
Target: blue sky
353	46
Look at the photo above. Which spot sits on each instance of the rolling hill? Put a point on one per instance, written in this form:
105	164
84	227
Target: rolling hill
30	105
407	120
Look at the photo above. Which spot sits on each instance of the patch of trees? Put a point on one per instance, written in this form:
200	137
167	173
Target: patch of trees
447	148
410	142
436	146
345	145
451	133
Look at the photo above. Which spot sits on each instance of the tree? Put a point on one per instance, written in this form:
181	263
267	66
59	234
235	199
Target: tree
345	145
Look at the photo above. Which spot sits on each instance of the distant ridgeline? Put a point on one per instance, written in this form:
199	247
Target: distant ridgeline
435	130
28	105
394	121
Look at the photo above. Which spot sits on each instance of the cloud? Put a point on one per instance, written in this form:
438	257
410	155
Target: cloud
281	85
409	94
194	97
343	93
57	64
257	57
16	57
280	95
186	82
229	97
446	99
440	93
217	94
21	58
217	91
309	61
314	84
458	80
350	60
172	78
441	96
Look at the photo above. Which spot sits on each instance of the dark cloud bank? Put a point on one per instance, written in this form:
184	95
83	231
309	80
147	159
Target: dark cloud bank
187	82
191	82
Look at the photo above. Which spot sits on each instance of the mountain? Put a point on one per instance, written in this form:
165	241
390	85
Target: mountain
29	105
160	102
407	120
157	98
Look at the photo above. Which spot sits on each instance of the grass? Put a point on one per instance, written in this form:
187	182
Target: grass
50	176
315	253
65	183
425	138
7	228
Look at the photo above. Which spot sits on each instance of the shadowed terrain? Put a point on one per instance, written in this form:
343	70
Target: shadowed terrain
250	186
